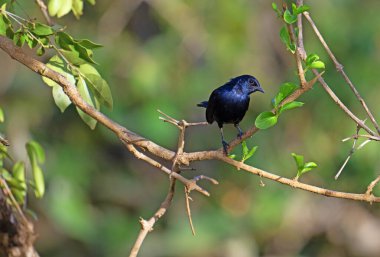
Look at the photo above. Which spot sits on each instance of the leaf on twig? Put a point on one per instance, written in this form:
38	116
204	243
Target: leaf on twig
266	120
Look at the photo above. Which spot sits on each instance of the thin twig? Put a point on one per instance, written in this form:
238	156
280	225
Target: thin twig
297	56
44	11
147	225
349	154
372	185
340	69
158	165
188	210
301	48
342	105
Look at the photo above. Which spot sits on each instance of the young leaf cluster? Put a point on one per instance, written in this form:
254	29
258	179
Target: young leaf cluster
313	62
247	153
60	8
289	17
15	174
73	59
301	166
268	119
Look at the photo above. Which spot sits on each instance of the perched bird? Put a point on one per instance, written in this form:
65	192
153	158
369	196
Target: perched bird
229	103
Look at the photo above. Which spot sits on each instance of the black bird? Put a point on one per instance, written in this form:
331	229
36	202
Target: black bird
229	103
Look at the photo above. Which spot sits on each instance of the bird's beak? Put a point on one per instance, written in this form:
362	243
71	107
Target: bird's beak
260	90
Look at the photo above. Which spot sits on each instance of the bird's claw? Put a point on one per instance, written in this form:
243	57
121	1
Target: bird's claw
240	134
225	147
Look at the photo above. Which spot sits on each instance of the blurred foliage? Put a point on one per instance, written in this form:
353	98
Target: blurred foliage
170	55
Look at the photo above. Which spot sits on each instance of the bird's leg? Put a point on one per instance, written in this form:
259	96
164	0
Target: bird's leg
239	130
224	143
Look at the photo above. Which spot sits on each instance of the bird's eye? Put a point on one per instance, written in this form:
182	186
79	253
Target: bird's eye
251	81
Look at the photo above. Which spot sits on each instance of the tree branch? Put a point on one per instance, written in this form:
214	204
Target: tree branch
41	4
147	225
340	69
131	139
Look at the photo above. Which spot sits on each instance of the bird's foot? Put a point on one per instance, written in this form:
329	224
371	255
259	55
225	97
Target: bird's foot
225	147
240	134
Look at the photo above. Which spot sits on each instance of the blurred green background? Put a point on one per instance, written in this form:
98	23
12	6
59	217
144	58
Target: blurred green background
169	55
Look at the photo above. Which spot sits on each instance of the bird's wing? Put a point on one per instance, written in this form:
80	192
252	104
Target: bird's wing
211	106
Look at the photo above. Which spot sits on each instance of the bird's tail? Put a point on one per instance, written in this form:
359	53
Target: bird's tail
203	104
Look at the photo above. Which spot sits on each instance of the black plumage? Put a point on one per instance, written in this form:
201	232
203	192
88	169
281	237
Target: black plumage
229	103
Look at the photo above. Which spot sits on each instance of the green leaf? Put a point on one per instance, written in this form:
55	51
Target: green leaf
286	89
289	106
23	39
32	43
3	7
285	38
299	160
313	62
57	64
101	90
302	8
3	25
317	65
266	120
232	156
274	7
36	151
84	53
289	18
76	49
85	94
250	153
18	171
65	8
77	8
36	155
72	57
311	58
40	29
1	115
40	51
89	44
98	85
39	181
244	148
308	166
91	2
4	152
54	6
87	69
60	98
64	40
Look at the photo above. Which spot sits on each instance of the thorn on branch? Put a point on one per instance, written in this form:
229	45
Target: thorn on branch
352	150
314	80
